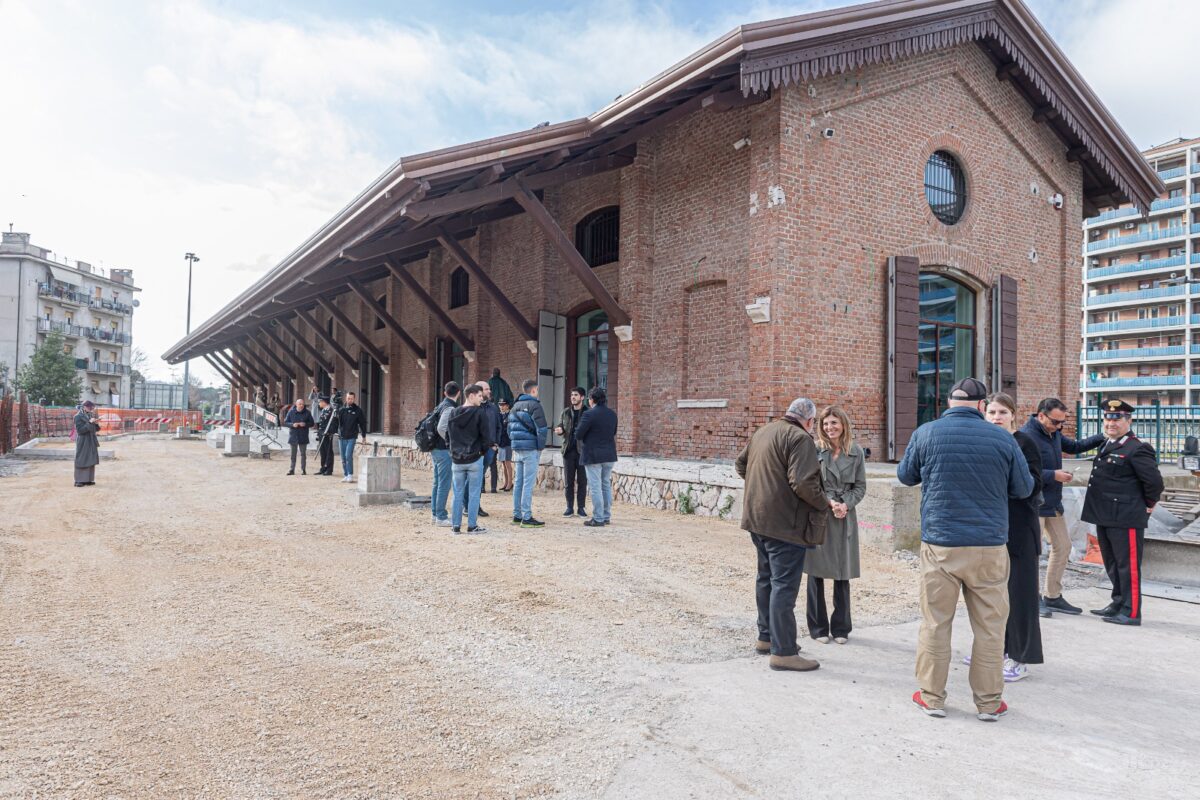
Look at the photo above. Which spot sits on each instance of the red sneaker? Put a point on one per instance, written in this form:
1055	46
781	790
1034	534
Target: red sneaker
992	716
927	709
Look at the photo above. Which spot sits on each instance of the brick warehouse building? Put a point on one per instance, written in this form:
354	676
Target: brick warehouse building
858	205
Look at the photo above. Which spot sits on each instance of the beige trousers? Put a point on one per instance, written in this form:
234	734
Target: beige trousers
1055	529
981	575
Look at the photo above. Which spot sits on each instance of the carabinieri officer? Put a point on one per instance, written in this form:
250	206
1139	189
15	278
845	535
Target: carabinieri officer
1124	486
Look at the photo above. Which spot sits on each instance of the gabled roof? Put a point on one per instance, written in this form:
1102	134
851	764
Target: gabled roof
455	189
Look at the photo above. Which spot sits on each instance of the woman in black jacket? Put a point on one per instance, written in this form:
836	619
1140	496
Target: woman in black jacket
1023	635
299	419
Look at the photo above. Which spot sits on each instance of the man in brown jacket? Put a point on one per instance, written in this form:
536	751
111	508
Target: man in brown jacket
783	508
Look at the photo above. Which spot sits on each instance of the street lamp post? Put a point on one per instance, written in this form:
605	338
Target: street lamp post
191	258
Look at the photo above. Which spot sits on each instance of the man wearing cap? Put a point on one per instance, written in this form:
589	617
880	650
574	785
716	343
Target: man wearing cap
325	425
1124	486
968	469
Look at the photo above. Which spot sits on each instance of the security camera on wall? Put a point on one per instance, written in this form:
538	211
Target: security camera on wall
1057	200
827	133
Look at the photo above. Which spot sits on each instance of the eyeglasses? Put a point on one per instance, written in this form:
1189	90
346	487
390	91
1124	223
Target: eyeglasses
1058	423
1115	415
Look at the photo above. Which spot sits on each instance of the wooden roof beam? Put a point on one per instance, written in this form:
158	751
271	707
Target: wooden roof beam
307	369
506	306
280	369
316	354
414	285
363	340
329	340
620	321
224	373
243	377
388	320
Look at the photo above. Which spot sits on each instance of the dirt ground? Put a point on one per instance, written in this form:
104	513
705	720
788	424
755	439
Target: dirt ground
195	626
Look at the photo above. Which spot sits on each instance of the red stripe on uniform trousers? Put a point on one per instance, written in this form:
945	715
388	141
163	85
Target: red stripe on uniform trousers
1133	571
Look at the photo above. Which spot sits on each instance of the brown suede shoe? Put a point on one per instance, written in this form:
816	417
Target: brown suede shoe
761	647
794	663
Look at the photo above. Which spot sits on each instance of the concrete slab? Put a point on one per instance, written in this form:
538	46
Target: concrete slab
1091	722
237	445
38	450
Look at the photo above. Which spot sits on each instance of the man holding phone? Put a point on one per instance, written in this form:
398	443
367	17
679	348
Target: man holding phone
1045	428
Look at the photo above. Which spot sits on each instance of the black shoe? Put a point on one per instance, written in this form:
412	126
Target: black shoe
1044	612
532	523
482	513
570	512
516	520
591	523
455	529
1110	610
78	485
1060	605
1122	619
291	472
303	472
582	513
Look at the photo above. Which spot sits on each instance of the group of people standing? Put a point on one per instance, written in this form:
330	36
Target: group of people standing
346	422
990	490
483	425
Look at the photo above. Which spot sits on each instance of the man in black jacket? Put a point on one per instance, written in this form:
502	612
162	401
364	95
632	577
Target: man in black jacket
351	421
325	424
575	480
597	437
1124	486
470	435
1045	428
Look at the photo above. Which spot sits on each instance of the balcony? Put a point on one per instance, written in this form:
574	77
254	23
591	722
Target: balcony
111	306
1136	296
60	326
65	295
1137	352
1195	168
1139	266
1177	172
112	337
1141	380
1135	324
1115	213
1137	238
108	367
1170	202
1195	349
1195	380
1195	199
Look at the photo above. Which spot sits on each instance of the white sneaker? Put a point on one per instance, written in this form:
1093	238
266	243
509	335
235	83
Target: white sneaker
348	479
443	523
1014	671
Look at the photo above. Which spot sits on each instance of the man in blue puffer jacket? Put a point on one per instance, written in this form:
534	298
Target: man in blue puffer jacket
968	469
528	429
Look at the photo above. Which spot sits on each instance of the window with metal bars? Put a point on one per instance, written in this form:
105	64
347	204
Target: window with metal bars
460	288
598	236
945	187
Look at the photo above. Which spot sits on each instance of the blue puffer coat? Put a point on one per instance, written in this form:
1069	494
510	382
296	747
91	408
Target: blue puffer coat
527	427
968	468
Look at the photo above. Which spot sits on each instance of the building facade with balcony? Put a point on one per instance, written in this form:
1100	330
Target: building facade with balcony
91	308
1141	279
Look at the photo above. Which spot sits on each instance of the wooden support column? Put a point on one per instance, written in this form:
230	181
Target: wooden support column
386	319
285	371
322	362
224	373
329	340
457	333
363	339
621	324
307	369
506	307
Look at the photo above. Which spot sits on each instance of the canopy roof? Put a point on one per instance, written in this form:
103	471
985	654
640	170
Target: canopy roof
450	192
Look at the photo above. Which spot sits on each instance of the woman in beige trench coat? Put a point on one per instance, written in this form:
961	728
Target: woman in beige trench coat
844	474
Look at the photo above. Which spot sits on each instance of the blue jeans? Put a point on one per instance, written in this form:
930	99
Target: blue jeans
599	477
346	448
468	481
441	483
525	465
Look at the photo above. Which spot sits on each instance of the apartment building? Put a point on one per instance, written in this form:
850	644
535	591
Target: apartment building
1141	278
92	308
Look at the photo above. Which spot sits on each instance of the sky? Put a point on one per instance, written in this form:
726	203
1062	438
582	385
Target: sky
137	131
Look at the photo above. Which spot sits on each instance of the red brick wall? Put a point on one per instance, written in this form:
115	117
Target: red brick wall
804	220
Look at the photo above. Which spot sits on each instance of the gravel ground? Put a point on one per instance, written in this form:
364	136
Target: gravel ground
205	627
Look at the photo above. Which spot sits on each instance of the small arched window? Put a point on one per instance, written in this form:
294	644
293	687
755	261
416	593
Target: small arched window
460	288
598	236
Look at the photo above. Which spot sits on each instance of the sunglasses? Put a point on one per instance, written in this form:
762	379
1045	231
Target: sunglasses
1058	423
1115	415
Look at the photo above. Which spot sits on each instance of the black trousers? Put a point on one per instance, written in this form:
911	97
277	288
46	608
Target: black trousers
1121	549
819	621
325	449
1023	633
493	464
780	568
574	480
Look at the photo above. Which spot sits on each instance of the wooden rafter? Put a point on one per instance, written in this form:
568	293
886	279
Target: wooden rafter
316	354
222	371
406	277
244	378
363	340
307	369
386	318
470	265
327	339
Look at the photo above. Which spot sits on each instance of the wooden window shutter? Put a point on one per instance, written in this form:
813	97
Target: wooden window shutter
1004	336
902	320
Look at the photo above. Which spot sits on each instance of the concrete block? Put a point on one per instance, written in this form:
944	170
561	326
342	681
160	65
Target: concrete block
383	498
419	502
237	445
183	432
216	440
379	481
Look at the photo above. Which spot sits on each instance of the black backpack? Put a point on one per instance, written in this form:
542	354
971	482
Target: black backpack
426	434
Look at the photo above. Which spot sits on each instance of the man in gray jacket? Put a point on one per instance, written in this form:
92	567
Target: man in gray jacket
968	469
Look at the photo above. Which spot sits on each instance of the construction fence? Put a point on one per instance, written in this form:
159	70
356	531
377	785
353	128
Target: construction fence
21	421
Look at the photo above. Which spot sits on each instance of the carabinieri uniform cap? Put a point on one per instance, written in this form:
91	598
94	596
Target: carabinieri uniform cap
1116	406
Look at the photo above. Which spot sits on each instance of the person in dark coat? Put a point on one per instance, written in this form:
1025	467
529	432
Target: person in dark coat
1023	634
575	479
500	388
1123	489
351	422
300	420
504	453
492	412
87	444
596	435
1045	429
325	431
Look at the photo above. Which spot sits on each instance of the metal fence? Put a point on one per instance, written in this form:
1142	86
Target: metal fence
1164	427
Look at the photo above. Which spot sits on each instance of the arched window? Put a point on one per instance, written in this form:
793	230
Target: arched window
945	341
460	288
598	236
